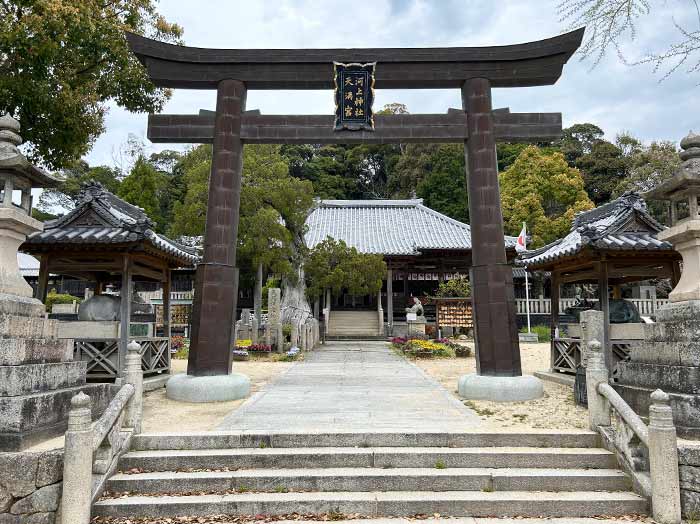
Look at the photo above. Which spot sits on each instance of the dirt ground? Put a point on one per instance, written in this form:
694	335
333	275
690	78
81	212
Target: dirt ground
556	410
163	415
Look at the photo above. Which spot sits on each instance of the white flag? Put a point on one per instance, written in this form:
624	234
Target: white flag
521	243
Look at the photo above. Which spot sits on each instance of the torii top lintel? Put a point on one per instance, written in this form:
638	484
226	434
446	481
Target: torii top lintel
519	65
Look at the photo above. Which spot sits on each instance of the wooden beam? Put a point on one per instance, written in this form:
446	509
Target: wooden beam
318	129
554	330
527	64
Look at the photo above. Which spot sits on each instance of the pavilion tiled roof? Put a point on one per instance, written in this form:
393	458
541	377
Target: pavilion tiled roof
103	218
388	227
623	224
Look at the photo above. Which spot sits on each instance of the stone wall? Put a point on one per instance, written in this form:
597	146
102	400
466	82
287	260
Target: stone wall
30	487
689	473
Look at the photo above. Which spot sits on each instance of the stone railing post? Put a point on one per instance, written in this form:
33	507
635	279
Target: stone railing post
134	376
592	328
596	373
76	499
663	461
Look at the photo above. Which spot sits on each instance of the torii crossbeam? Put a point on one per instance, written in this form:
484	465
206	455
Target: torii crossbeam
473	70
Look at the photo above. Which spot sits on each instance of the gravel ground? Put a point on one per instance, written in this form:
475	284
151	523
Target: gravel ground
556	410
163	415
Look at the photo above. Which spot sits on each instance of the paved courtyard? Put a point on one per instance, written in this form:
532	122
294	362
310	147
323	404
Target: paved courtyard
352	386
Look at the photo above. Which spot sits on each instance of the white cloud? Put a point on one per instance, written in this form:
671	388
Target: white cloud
612	95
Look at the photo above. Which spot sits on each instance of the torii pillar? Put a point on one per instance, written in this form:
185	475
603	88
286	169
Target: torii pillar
499	373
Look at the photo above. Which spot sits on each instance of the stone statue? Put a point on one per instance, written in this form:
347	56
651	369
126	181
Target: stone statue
417	308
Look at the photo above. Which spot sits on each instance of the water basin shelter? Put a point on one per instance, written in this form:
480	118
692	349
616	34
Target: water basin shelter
610	245
109	241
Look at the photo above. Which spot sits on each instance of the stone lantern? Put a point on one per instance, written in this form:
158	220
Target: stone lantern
17	178
669	356
683	192
38	376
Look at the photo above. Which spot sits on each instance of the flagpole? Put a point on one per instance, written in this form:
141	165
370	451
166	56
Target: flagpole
527	284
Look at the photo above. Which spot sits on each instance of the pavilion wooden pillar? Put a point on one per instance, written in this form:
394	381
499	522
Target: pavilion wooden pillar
554	331
124	312
167	288
605	308
495	326
43	284
215	298
390	300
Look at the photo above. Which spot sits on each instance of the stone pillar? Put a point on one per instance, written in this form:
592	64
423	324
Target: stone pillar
76	499
294	337
495	326
214	307
257	295
663	461
255	336
596	373
274	318
133	415
592	326
303	343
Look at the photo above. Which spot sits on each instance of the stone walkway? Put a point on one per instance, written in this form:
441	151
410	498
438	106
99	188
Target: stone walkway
352	387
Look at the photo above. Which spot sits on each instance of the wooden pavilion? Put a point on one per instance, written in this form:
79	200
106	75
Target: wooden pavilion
109	241
610	245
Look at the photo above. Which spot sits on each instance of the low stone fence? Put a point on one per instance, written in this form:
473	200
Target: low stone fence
59	486
649	453
30	486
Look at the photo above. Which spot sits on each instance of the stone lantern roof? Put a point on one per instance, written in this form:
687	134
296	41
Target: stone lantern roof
13	161
686	179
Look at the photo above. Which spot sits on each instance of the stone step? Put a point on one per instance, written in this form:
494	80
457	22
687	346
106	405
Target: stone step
334	337
19	351
234	439
334	457
16	326
35	378
372	504
372	479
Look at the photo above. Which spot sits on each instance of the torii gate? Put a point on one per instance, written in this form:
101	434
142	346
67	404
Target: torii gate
475	71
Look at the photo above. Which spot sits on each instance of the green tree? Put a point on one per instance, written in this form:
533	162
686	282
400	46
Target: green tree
444	187
650	166
189	213
578	140
61	61
65	196
603	169
333	265
144	187
544	192
457	287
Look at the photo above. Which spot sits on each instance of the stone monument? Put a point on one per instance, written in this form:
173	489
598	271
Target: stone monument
669	357
38	377
415	318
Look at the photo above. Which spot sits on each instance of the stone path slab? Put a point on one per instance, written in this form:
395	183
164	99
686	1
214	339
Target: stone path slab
353	387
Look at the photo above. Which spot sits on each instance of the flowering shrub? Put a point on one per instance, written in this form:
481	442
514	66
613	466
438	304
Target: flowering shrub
179	347
246	342
416	346
259	348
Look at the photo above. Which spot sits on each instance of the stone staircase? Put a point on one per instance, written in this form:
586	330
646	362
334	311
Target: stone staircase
354	325
559	474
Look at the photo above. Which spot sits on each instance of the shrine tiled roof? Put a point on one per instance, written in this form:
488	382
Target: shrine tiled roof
388	227
623	224
103	218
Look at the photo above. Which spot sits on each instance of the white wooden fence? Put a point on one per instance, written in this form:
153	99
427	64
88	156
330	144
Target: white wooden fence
543	306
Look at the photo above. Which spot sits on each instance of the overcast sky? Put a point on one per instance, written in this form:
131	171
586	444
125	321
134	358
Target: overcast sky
614	96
